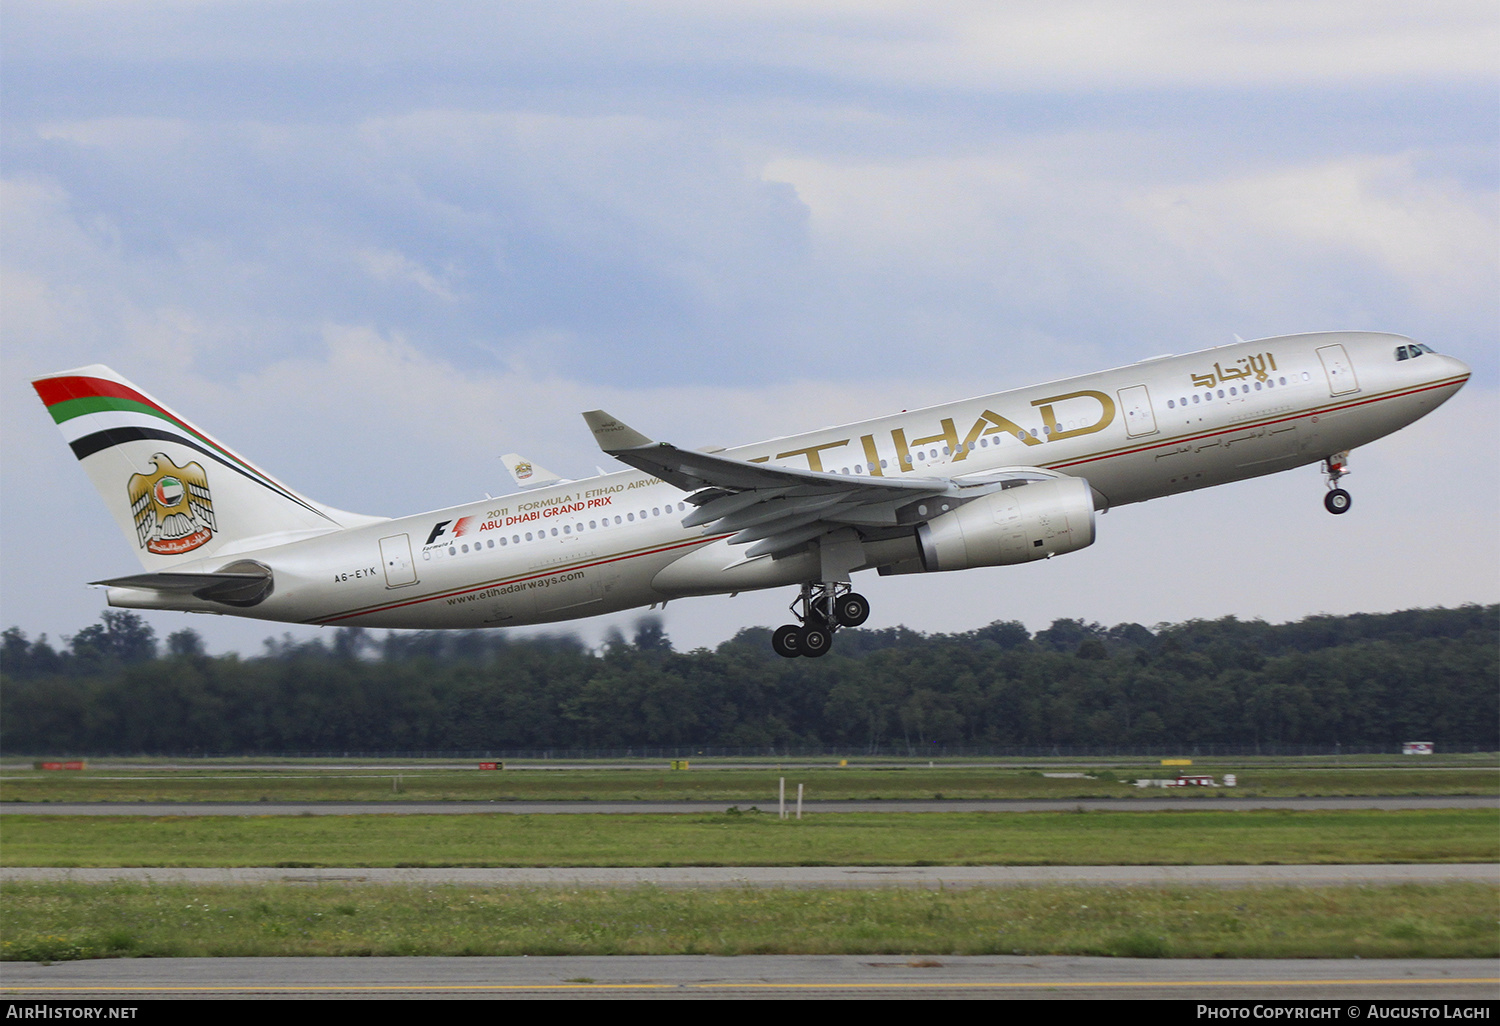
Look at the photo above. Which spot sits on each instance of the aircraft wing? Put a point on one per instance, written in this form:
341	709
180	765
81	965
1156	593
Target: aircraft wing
771	509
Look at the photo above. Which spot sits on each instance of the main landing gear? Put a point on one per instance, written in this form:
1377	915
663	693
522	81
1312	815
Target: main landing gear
1334	467
821	609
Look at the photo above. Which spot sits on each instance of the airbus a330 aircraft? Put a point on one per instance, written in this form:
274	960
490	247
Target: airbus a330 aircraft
996	480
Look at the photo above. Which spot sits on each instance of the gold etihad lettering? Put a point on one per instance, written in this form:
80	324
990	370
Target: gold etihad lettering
903	454
991	423
988	423
1049	418
813	453
949	437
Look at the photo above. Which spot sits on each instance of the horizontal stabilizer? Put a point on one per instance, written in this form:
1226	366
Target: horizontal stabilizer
244	583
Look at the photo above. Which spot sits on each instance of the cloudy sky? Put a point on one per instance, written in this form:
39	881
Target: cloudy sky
376	245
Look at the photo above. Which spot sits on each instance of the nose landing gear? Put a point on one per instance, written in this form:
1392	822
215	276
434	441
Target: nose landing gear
1337	500
821	609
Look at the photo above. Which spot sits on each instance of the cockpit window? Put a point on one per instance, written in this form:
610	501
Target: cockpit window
1402	354
1413	351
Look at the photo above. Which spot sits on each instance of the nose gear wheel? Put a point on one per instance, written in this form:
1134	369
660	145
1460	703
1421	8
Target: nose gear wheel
1337	501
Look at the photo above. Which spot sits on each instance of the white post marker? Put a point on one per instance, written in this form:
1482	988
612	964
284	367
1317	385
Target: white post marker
781	801
799	801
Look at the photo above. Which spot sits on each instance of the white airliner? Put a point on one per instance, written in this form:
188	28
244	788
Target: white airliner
1000	479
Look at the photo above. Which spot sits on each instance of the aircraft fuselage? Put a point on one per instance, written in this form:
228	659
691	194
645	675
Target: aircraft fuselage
1154	428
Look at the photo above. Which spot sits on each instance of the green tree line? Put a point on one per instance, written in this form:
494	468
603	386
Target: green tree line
1372	679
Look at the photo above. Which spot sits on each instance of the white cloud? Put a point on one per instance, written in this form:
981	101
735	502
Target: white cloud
150	134
387	266
1023	45
1090	43
1433	237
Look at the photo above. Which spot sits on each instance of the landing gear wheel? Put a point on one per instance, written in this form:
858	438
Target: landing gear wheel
1335	467
815	641
851	610
787	641
822	609
1337	501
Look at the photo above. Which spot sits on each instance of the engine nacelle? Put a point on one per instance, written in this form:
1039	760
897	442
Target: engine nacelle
1015	525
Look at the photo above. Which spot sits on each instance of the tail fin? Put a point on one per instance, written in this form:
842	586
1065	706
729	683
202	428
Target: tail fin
528	475
177	494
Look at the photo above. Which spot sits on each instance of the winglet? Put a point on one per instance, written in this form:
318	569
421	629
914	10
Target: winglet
612	435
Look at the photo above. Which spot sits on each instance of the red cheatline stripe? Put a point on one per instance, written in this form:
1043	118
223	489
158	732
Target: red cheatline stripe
502	582
1301	415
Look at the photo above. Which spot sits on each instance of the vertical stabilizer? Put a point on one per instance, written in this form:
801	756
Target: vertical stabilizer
527	474
178	495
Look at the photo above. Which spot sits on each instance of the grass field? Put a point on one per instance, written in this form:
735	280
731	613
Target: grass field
200	784
55	922
1184	837
61	921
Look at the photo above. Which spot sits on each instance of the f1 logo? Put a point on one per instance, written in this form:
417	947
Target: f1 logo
460	528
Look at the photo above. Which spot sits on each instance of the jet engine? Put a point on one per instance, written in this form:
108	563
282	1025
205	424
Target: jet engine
1012	525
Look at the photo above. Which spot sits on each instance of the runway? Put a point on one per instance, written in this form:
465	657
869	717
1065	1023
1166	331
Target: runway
758	976
838	877
525	808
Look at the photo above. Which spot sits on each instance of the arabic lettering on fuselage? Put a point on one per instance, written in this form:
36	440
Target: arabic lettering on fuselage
1258	365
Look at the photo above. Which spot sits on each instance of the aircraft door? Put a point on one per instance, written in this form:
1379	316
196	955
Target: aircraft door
395	554
1340	371
1135	401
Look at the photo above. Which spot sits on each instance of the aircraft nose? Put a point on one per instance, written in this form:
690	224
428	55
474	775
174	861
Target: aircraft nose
1456	368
